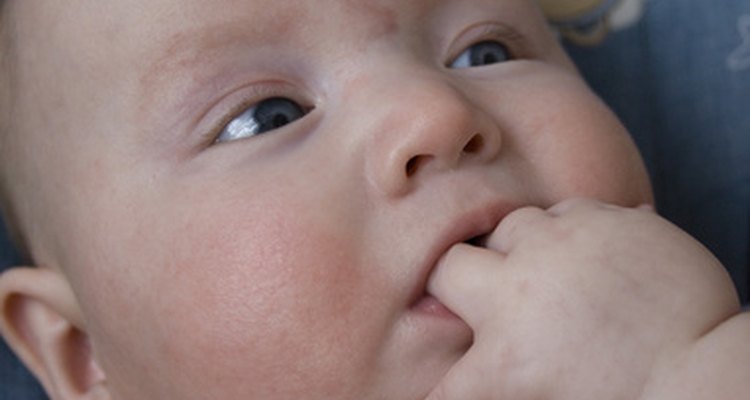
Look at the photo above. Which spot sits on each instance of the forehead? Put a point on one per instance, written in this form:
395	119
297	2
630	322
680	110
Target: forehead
264	23
267	23
270	21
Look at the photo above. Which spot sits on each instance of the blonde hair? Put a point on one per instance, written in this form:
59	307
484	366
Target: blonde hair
583	22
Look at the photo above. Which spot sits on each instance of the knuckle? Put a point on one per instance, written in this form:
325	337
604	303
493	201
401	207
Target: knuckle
515	224
574	204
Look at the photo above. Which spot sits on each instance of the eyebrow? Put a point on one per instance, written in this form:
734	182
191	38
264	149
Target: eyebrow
186	62
188	48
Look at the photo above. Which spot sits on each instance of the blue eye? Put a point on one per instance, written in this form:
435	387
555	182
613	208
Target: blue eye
266	116
483	53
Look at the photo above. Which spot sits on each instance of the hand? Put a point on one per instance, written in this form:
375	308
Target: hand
581	301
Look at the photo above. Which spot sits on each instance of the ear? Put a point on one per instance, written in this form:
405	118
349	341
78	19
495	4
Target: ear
42	322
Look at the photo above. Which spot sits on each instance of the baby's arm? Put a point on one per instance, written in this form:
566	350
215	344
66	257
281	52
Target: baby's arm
591	301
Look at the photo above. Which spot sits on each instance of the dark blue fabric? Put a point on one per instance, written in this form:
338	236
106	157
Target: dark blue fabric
681	83
15	382
680	80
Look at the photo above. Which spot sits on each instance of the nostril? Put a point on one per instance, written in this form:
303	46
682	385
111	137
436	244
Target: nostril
415	163
411	167
474	145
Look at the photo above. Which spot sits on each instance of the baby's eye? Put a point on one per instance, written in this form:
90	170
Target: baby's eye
265	116
483	53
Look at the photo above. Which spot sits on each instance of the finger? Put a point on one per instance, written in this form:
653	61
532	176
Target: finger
576	205
465	280
514	227
465	380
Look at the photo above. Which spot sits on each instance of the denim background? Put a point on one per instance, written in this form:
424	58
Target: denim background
680	80
15	381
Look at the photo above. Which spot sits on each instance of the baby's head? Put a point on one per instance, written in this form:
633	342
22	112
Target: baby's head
244	199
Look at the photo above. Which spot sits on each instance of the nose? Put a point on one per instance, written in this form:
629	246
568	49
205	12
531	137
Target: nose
425	128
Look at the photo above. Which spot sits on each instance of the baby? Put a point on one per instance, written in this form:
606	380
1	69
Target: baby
339	199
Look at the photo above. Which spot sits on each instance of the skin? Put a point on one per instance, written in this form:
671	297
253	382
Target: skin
291	264
587	301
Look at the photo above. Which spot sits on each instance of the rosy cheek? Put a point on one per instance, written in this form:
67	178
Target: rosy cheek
584	151
262	286
238	274
608	167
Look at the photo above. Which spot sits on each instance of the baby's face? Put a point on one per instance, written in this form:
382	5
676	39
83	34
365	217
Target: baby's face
249	196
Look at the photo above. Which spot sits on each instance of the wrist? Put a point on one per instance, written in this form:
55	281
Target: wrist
714	366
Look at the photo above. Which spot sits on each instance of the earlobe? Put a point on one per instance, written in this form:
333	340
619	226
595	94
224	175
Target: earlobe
41	321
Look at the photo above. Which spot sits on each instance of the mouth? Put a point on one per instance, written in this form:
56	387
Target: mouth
428	304
479	240
473	228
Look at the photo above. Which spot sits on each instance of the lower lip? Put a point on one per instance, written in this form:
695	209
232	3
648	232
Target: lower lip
430	306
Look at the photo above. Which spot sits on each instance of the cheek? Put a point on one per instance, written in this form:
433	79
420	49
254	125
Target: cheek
265	289
252	297
578	148
602	165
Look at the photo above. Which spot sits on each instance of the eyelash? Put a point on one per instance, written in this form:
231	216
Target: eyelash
258	93
466	58
512	40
